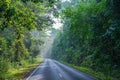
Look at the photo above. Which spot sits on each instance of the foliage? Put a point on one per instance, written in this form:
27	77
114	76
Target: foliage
98	75
22	72
17	19
90	36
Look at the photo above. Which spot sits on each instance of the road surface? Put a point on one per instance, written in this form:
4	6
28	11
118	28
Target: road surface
54	70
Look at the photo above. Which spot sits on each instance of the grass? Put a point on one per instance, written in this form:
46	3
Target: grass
98	75
21	72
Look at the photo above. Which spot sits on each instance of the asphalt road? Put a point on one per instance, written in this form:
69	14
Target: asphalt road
54	70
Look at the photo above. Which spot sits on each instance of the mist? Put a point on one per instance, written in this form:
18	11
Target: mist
46	47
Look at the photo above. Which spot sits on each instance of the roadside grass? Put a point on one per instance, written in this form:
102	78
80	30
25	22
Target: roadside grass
21	72
98	75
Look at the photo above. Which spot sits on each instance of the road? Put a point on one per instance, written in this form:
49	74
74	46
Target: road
54	70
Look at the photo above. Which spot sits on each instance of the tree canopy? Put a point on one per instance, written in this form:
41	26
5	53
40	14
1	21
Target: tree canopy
90	35
18	18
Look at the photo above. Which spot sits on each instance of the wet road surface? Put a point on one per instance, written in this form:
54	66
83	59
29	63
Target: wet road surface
54	70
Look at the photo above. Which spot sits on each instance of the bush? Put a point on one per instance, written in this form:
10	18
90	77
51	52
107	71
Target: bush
3	68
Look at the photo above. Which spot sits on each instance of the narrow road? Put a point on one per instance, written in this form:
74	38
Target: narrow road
54	70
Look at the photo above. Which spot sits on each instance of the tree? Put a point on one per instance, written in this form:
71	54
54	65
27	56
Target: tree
90	35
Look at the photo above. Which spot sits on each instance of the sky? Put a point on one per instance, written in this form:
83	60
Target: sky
65	0
46	48
57	24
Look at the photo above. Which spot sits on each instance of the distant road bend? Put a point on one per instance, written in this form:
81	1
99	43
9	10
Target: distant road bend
54	70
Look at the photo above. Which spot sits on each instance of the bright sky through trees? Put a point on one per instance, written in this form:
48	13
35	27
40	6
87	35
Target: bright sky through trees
84	33
65	0
57	24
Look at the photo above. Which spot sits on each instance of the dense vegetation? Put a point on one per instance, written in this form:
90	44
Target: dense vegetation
90	36
18	19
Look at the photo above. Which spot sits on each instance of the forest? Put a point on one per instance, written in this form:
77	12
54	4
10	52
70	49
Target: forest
19	19
89	37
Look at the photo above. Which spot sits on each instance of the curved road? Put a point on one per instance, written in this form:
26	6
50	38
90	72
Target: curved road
54	70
